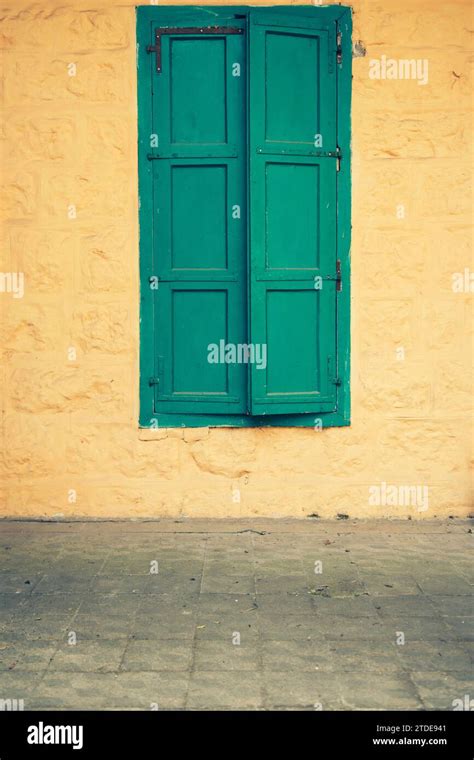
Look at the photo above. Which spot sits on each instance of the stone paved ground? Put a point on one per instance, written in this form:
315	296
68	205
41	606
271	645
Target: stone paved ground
170	638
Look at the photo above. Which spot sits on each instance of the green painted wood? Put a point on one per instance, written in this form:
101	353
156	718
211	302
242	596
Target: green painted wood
195	290
293	213
344	93
147	320
199	221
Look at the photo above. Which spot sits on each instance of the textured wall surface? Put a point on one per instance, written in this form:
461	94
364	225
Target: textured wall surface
69	347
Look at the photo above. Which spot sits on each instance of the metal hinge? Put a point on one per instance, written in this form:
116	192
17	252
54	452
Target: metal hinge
339	47
157	380
156	48
331	372
338	276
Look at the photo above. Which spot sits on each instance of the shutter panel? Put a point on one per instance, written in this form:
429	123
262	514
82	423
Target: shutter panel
293	212
199	234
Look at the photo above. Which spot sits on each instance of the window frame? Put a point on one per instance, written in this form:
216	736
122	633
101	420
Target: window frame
147	18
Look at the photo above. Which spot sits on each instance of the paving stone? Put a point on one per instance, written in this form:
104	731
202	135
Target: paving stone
158	605
462	628
20	582
110	604
288	603
121	584
48	626
225	626
128	564
389	585
342	588
387	567
282	567
227	604
284	628
26	655
337	628
10	603
318	691
380	691
296	654
373	656
353	607
443	691
51	604
228	584
281	585
453	606
19	685
173	584
73	583
465	569
237	568
89	656
13	566
105	691
101	626
445	584
404	606
163	627
224	546
74	565
419	628
468	646
216	690
218	654
158	654
307	640
434	655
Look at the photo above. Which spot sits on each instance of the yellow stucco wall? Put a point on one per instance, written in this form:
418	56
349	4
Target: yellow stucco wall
71	444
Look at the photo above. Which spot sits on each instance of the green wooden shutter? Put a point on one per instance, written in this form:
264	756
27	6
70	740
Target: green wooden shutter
293	212
199	234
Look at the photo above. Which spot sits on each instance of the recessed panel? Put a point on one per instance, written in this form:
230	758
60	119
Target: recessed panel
292	218
199	217
292	342
199	318
198	90
291	84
